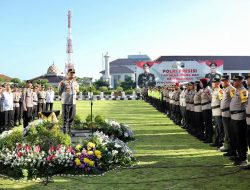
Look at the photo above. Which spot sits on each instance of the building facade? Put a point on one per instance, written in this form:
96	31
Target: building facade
122	68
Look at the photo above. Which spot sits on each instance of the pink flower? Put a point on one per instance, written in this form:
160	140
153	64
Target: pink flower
58	147
37	149
69	149
19	146
27	148
51	149
19	154
50	158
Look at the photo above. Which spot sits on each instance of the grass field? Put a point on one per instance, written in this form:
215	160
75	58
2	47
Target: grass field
169	157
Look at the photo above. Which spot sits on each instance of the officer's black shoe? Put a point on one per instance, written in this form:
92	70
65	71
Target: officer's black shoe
213	144
229	154
242	163
246	167
234	158
208	141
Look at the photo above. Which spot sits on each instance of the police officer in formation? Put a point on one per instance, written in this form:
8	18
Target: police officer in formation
19	105
219	115
41	99
16	105
216	112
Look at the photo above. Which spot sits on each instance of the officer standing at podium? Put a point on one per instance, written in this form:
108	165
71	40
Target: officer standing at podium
68	90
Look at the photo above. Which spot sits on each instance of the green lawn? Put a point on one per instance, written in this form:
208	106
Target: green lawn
169	157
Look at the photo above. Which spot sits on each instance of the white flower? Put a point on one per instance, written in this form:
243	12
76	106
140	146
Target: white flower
114	152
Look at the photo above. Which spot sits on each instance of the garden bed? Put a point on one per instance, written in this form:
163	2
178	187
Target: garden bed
45	151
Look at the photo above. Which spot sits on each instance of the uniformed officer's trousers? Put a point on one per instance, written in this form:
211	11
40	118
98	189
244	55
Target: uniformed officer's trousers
8	119
1	121
49	106
178	114
188	119
183	115
41	107
20	113
248	135
27	117
207	116
219	131
171	111
34	112
228	132
16	115
199	125
167	108
68	115
239	138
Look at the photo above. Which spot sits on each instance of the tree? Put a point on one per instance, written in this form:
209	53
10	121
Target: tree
100	82
84	81
2	79
43	82
128	83
103	88
16	80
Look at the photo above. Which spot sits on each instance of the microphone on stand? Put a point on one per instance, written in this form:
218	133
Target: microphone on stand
91	107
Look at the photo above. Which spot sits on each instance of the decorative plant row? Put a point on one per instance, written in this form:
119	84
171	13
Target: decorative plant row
46	151
110	127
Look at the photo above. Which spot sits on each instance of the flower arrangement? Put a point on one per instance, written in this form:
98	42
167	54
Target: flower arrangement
99	154
35	161
119	130
109	127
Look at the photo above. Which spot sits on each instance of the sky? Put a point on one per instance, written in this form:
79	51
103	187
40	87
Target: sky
33	33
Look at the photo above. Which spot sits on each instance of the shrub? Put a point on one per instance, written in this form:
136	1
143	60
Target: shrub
103	88
99	120
97	92
77	120
46	135
10	140
118	89
129	91
108	92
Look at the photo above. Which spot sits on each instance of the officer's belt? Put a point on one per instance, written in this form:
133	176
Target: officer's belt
16	101
203	104
198	104
247	115
238	111
225	109
191	102
41	98
214	107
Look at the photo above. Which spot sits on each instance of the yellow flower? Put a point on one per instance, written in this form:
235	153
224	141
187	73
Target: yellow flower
86	160
89	162
77	161
78	154
98	154
78	147
91	145
90	152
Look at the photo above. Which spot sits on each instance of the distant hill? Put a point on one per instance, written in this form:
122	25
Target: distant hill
5	78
